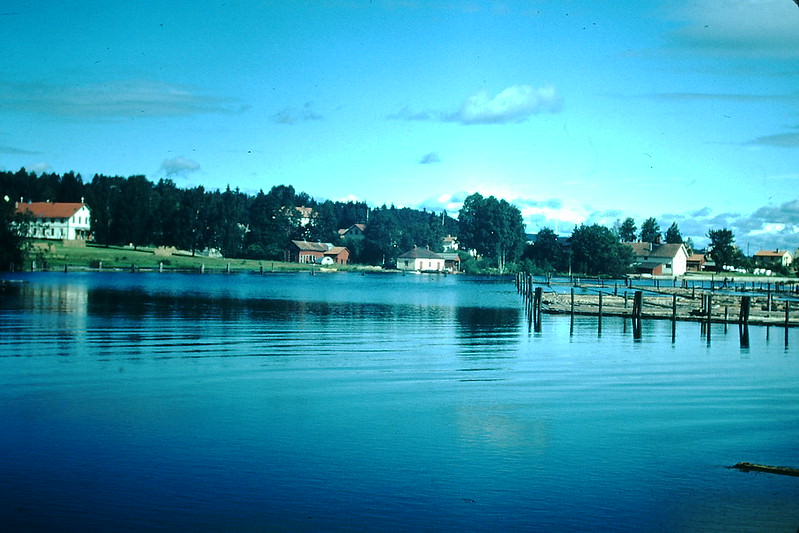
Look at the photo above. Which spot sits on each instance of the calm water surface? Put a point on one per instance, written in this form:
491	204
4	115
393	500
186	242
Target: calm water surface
344	402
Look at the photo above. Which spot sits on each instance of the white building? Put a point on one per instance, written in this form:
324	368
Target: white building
71	221
420	259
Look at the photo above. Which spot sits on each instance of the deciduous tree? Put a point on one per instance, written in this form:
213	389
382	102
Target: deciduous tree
722	247
493	228
596	250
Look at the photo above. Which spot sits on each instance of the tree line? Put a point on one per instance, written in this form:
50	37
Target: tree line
136	211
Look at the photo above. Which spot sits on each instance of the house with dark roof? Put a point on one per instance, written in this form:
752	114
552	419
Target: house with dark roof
421	260
356	231
322	253
659	259
773	258
57	220
696	262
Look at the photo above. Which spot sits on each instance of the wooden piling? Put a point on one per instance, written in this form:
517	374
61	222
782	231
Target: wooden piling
599	315
537	309
572	303
787	313
743	315
638	303
674	308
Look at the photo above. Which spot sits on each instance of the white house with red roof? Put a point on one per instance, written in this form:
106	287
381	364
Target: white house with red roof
57	220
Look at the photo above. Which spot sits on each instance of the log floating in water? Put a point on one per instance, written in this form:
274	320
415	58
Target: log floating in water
752	467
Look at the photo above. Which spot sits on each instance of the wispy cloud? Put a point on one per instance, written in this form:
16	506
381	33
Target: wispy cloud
130	98
11	150
293	115
750	28
179	166
430	158
514	104
730	97
779	140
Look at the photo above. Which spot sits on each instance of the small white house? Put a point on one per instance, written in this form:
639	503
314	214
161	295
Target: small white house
57	220
422	260
659	259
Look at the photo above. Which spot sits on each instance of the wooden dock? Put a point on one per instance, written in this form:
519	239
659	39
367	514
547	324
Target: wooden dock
682	303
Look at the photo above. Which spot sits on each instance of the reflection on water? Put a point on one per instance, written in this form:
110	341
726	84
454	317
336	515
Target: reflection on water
390	403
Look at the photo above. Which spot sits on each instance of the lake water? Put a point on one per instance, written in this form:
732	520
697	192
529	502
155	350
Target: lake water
342	402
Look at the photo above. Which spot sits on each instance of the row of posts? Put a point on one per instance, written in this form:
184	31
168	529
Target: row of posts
533	297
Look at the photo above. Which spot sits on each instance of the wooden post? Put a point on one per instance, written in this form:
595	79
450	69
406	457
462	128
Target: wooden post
743	315
673	318
537	309
599	315
787	312
674	308
572	303
638	303
571	315
709	314
787	323
768	301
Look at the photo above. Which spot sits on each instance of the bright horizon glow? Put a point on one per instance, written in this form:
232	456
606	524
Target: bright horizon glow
575	112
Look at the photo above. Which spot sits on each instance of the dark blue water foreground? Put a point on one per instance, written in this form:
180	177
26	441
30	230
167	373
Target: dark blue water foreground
342	402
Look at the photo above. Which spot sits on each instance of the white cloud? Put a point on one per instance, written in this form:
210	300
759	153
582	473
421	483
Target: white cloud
39	168
514	104
179	166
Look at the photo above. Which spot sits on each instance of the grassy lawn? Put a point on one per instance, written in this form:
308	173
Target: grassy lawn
54	255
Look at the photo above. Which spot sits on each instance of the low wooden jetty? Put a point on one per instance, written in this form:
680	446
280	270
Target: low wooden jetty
684	303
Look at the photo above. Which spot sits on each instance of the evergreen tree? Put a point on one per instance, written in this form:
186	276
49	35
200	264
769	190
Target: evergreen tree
627	230
650	230
673	235
12	242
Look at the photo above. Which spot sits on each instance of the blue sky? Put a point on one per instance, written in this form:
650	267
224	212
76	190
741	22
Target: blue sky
575	111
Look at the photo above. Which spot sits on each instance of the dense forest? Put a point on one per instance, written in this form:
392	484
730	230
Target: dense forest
136	211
